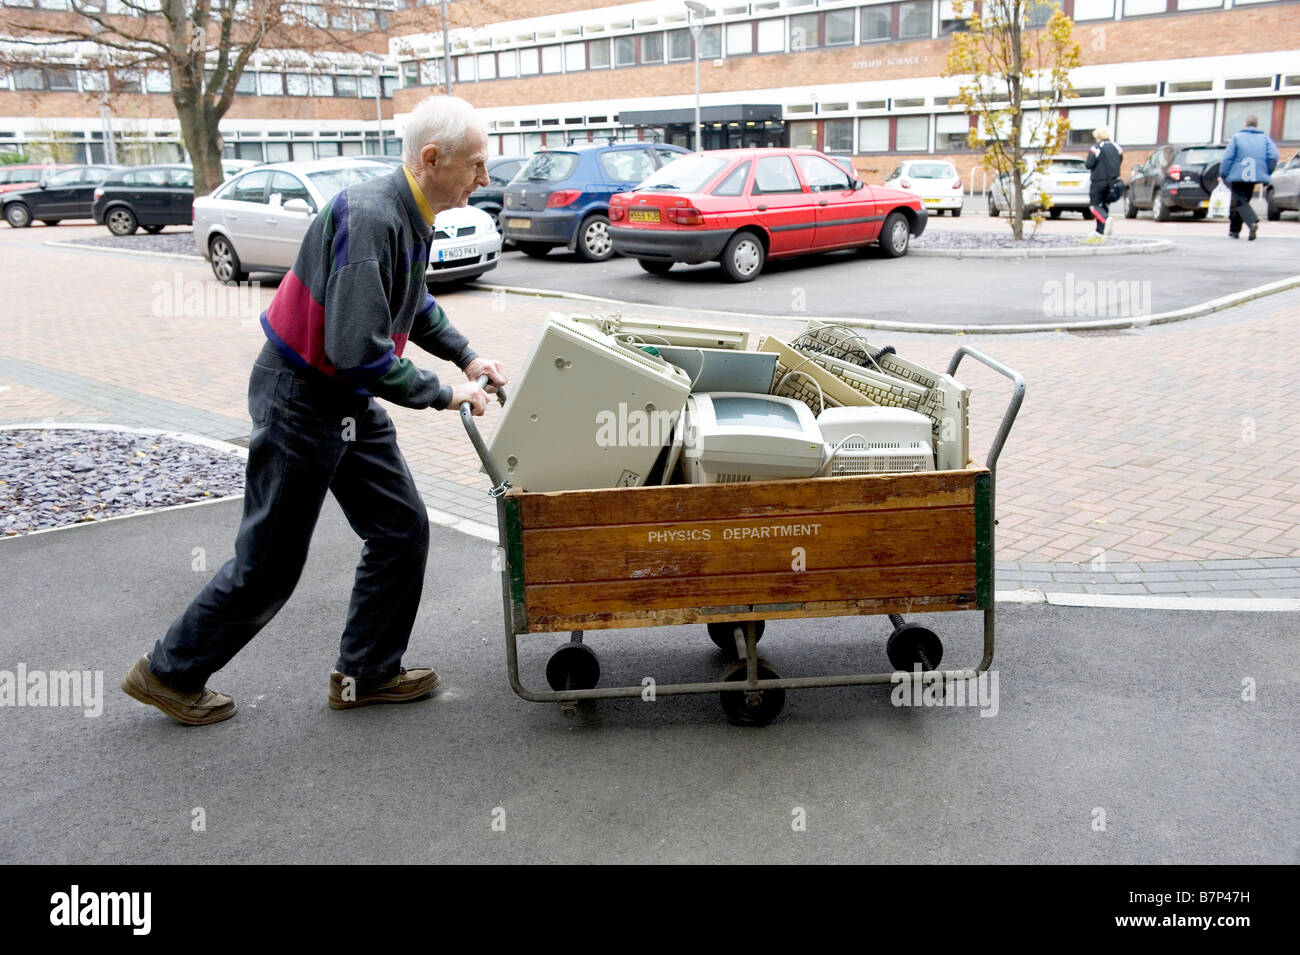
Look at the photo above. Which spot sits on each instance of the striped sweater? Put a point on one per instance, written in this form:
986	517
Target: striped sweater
357	294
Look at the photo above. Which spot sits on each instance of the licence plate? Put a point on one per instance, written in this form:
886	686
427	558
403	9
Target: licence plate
519	223
1205	203
463	252
930	202
1069	182
643	215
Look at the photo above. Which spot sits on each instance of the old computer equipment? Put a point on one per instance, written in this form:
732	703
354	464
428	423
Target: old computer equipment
645	331
722	369
875	440
737	436
588	412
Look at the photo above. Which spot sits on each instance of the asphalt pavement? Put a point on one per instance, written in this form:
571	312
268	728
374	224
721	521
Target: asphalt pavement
1119	736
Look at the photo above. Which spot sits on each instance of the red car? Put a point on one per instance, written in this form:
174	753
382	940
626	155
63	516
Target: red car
26	175
744	206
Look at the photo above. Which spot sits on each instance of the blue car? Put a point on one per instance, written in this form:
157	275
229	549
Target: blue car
561	197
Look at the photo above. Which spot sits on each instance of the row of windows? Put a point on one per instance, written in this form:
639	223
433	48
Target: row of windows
67	79
315	149
332	16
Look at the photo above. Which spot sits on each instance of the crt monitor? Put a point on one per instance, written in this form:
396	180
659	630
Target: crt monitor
736	436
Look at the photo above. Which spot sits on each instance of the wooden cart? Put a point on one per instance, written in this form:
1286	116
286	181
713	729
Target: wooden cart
734	555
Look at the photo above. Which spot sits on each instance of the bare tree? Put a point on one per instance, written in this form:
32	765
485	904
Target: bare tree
204	47
1014	78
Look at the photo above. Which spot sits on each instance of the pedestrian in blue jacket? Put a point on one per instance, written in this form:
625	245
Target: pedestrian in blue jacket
1249	159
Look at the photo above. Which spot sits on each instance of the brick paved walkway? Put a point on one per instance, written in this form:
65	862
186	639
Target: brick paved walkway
1170	454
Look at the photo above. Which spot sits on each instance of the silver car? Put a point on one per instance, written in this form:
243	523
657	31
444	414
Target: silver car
1283	191
1066	180
255	222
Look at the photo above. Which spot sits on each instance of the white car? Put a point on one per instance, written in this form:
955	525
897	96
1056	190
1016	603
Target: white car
1066	180
255	221
934	181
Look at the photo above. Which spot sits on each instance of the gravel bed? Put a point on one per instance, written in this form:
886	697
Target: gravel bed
175	243
52	477
954	239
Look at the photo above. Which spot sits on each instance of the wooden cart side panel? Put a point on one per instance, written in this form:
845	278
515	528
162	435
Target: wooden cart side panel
515	565
956	581
685	615
984	524
705	548
701	502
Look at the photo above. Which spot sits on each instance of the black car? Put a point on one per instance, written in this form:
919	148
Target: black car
148	196
65	195
1174	179
490	198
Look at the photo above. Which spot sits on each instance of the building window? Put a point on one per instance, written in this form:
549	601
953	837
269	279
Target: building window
508	64
277	152
464	69
327	150
875	23
873	135
1291	121
1094	9
389	86
1037	14
914	19
710	43
679	45
322	85
270	84
1196	86
839	28
575	57
803	134
1137	125
652	48
61	80
552	59
1191	123
913	133
528	62
298	84
740	39
1199	4
1253	83
29	80
803	32
487	66
771	36
625	51
1236	111
1137	8
1083	122
369	88
838	136
950	132
598	54
949	22
247	83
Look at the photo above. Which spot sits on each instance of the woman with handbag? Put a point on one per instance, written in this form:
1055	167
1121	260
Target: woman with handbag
1104	159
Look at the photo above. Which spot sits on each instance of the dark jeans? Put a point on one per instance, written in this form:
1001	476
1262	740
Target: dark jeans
1097	193
1240	211
310	436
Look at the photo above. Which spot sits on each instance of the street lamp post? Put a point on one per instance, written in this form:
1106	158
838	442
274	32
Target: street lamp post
696	12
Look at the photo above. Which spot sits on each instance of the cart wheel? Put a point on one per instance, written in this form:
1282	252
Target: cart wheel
911	644
723	633
751	709
573	667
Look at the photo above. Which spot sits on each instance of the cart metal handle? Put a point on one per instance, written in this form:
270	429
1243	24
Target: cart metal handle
1017	396
499	483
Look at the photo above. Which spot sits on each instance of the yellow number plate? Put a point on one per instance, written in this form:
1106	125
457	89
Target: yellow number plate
519	224
930	202
1205	203
643	215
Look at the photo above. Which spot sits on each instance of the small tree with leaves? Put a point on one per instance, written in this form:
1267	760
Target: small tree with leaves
1014	78
203	46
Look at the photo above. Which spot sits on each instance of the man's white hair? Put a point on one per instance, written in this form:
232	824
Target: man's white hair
445	121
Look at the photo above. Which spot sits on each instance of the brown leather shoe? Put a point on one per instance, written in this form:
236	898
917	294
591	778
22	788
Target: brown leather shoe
408	685
192	709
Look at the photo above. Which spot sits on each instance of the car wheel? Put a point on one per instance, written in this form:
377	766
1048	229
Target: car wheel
121	221
895	235
537	250
153	229
225	261
994	211
18	215
51	221
655	266
1274	210
956	213
1130	207
1159	208
743	257
595	244
1054	213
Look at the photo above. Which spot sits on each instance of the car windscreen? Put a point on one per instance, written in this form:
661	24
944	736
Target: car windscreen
548	167
688	174
1200	156
328	182
1067	166
931	170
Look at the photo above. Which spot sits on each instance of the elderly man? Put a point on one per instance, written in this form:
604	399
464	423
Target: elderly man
336	330
1250	159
